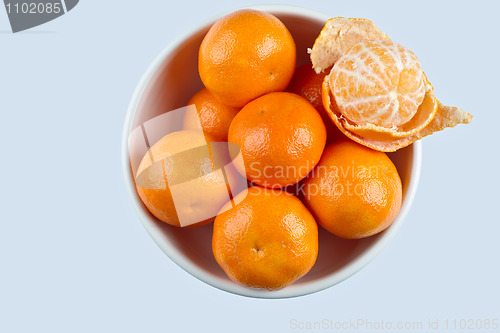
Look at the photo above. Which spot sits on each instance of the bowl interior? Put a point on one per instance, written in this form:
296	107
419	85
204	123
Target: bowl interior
171	82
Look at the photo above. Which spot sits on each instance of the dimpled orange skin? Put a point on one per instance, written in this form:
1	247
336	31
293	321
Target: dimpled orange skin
354	192
268	240
308	84
246	54
213	116
281	137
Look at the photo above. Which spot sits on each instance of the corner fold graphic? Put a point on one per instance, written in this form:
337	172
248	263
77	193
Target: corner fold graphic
25	14
70	4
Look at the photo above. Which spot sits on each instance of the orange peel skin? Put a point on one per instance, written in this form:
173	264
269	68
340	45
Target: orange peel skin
444	116
338	36
431	115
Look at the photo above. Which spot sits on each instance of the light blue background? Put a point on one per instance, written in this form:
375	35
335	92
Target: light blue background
75	258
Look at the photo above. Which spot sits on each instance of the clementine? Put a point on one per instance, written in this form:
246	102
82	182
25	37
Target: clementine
209	114
377	93
281	137
354	191
246	54
307	83
268	240
378	82
178	182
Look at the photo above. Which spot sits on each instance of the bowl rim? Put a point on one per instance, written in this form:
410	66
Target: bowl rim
155	233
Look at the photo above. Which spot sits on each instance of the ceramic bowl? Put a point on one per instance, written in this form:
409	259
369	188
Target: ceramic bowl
167	85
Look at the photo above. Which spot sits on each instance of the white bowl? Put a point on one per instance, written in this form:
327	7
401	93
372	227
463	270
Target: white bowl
167	85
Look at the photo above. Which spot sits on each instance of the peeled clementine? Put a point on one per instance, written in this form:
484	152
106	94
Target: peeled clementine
354	191
268	240
376	92
281	137
246	54
378	82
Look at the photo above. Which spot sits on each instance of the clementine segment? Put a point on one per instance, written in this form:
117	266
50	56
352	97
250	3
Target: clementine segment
246	54
281	137
209	114
354	191
268	240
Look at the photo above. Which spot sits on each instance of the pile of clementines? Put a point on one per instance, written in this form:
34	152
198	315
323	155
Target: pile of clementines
297	166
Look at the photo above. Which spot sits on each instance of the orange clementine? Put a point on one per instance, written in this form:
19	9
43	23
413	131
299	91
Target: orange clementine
178	182
268	240
209	114
307	83
246	54
354	191
281	137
